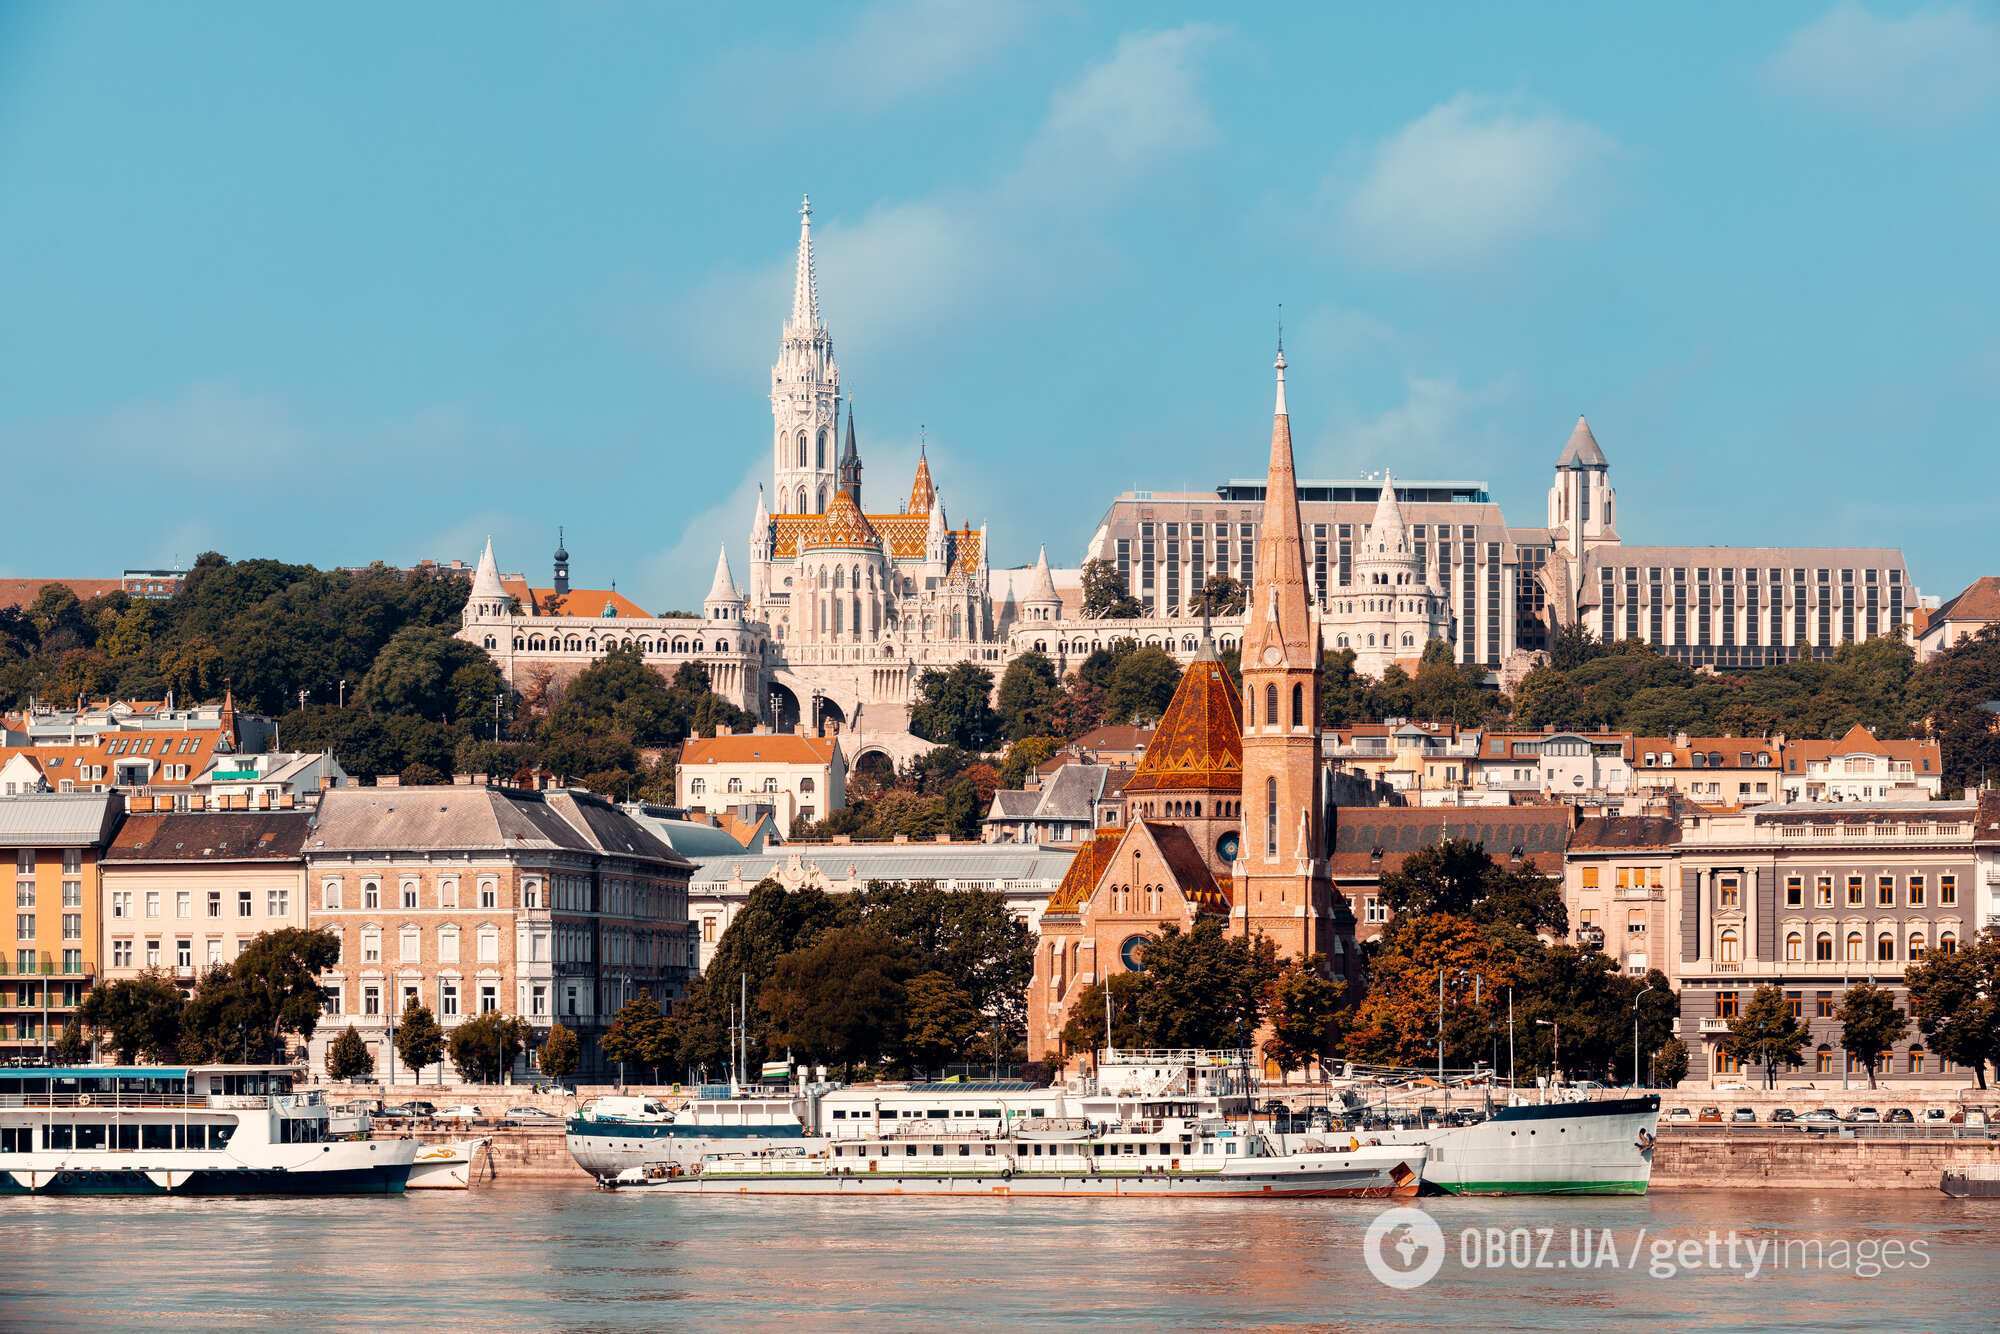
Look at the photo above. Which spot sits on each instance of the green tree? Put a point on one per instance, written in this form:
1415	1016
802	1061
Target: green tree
1105	597
245	1009
1024	757
139	1016
1765	1033
71	1049
639	1035
1447	692
940	1023
1343	692
1027	698
1870	1024
1306	1015
1220	596
773	921
1083	1025
1460	877
1573	645
1670	1064
839	1000
953	707
1953	999
419	1040
1142	685
968	935
485	1047
348	1058
427	671
560	1053
1204	987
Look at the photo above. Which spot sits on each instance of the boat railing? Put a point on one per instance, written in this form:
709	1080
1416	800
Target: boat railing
933	1130
1034	1124
123	1101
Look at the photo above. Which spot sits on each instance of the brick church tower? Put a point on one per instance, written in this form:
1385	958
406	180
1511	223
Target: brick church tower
1281	887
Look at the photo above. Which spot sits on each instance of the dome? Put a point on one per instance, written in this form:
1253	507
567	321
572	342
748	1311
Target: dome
843	526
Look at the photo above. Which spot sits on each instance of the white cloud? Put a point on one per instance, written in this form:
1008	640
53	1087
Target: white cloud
1438	425
905	266
677	578
1471	177
1930	66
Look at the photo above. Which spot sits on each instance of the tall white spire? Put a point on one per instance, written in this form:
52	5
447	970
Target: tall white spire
486	579
1280	365
1387	532
805	282
760	520
723	587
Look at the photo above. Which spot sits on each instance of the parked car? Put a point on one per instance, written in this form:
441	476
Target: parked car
1679	1116
464	1111
1743	1116
413	1110
1865	1116
1969	1116
1933	1116
1820	1118
1710	1116
529	1116
1783	1116
1899	1116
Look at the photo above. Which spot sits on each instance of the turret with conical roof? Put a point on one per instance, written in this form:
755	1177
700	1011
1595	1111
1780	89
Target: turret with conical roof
1040	601
723	602
850	461
488	599
923	492
1581	500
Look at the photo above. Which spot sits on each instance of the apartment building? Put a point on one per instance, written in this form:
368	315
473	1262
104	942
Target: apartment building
1861	767
1615	880
184	892
1709	771
799	777
51	936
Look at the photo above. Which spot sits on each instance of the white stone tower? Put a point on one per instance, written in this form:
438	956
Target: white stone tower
805	395
1581	498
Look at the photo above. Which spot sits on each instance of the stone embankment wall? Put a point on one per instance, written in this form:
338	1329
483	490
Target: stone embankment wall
529	1155
1801	1161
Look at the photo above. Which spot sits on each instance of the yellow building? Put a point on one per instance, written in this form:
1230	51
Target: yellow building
54	841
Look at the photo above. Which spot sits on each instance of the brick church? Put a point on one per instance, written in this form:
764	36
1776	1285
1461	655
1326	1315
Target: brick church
1228	812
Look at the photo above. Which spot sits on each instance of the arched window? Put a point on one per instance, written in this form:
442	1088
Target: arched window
1823	1060
819	449
1885	948
1947	943
1250	705
1823	948
735	785
1729	949
1855	948
1270	706
802	449
1795	947
1916	946
805	787
1298	706
1271	818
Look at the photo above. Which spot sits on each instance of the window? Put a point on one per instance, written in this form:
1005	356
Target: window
412	994
1916	1060
24	925
805	787
371	999
538	1001
1823	1005
1823	1060
152	903
1590	877
244	900
184	903
184	954
447	893
1729	947
1823	948
1795	1005
1270	819
489	893
447	944
1823	891
410	943
1947	891
1795	891
1725	1005
1916	947
1795	947
1916	895
531	892
329	897
448	998
215	900
735	785
1947	942
1298	706
278	902
697	787
489	944
409	894
489	997
214	951
72	926
708	930
1728	892
371	944
121	954
371	893
121	903
1885	891
1855	948
1726	1062
1885	948
1270	706
1854	899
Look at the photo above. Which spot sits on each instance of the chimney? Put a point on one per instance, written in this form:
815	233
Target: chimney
388	780
724	729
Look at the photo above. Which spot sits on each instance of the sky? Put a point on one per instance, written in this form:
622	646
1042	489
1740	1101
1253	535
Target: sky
372	282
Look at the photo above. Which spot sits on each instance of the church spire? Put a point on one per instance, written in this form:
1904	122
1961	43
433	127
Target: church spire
850	461
805	281
1279	630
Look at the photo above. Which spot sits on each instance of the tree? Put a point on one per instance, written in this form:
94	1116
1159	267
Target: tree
772	922
1083	1027
940	1021
1305	1015
485	1047
1204	987
1396	1022
139	1016
1670	1064
1460	877
639	1035
1573	645
1765	1033
560	1054
427	671
1445	691
953	707
969	935
1343	692
1142	684
1870	1024
1105	597
419	1040
839	1000
243	1010
1027	698
348	1058
1024	757
71	1049
1953	999
1220	596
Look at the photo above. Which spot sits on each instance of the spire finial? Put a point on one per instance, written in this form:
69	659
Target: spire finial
1279	365
805	281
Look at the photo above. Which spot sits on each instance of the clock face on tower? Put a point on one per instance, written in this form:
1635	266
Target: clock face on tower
1273	655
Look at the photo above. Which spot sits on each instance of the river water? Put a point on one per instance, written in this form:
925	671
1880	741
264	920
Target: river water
567	1257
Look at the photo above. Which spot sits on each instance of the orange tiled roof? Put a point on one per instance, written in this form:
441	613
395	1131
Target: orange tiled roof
1085	870
923	494
905	534
194	748
21	592
1190	869
1731	748
768	748
1199	742
576	602
1977	601
1860	741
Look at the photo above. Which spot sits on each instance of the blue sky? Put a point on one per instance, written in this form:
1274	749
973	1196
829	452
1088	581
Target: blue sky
337	285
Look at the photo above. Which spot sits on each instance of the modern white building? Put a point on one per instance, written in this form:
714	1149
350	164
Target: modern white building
1861	767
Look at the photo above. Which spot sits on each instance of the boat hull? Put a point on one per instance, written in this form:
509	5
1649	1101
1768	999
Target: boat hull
1600	1148
1970	1186
446	1166
377	1179
1365	1186
606	1148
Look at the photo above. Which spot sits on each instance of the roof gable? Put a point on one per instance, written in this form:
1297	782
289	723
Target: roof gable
1199	742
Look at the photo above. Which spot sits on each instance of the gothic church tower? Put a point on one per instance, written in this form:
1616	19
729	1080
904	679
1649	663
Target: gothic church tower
1281	887
805	395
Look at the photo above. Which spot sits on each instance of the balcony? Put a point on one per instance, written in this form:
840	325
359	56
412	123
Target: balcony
46	967
1708	1026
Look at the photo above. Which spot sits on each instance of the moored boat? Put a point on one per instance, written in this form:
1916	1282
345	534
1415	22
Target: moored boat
1603	1147
1976	1181
610	1134
181	1130
446	1164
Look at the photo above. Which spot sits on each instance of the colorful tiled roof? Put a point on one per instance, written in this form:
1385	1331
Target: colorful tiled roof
758	748
923	493
1199	742
843	525
906	534
1080	881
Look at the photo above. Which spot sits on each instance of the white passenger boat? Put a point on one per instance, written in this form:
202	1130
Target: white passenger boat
181	1130
1568	1146
446	1165
611	1133
1055	1156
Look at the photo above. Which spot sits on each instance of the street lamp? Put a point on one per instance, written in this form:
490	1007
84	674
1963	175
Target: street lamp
1635	1032
1556	1024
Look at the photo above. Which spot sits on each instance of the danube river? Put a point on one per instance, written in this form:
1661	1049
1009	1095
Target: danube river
557	1256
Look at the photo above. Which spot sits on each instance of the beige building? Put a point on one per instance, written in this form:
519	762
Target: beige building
1860	767
1975	608
1708	770
801	778
184	892
1615	879
468	900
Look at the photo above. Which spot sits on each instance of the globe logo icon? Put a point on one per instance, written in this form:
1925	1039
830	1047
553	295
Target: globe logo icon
1403	1248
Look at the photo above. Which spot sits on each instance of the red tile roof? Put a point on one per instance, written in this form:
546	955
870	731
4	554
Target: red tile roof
1926	756
1199	742
772	748
1079	882
576	602
22	592
1977	601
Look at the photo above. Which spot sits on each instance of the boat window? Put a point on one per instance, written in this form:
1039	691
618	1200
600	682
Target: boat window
938	1113
125	1138
992	1113
839	1114
156	1137
17	1139
58	1137
89	1136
